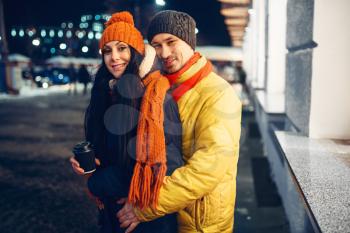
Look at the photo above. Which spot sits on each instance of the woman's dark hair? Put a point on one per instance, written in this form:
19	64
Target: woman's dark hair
102	97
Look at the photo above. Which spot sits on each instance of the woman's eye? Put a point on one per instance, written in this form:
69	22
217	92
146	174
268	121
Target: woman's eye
106	51
122	48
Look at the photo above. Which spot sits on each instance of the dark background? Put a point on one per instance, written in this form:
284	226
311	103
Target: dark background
212	30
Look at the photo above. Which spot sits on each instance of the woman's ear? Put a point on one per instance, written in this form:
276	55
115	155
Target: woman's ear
148	61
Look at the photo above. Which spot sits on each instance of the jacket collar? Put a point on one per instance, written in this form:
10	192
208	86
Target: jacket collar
192	70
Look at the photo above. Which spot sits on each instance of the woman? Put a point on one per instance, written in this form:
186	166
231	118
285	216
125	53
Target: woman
135	151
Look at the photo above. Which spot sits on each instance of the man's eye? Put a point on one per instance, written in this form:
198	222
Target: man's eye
171	42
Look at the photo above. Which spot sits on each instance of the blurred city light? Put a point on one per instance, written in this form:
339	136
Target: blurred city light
160	2
84	49
52	33
196	30
30	33
43	33
69	34
13	32
84	25
97	27
90	35
21	33
98	35
64	39
45	85
60	33
36	42
63	46
80	34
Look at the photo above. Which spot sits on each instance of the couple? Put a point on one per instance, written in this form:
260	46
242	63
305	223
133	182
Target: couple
167	142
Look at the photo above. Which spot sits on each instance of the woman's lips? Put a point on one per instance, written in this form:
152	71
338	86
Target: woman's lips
118	67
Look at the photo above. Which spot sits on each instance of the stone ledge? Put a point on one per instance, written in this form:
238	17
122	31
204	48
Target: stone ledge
322	170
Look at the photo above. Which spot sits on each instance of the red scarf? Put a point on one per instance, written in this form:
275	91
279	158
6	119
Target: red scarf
187	85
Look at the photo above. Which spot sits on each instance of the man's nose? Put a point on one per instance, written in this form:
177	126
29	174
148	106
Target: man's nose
165	52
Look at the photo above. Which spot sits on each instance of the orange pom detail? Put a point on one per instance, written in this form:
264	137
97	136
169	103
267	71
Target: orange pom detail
120	27
123	16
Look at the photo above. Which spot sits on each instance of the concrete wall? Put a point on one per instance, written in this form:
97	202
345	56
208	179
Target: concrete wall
254	46
276	46
260	30
299	62
330	96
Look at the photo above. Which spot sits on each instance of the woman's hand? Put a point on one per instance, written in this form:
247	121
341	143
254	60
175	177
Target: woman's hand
76	167
148	61
96	200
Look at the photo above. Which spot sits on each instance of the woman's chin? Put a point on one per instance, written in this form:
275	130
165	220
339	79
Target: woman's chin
117	75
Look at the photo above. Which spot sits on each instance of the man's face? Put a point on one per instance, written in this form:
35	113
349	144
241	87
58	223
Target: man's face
173	52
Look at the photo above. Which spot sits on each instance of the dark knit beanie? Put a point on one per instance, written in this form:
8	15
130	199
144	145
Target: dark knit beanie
176	23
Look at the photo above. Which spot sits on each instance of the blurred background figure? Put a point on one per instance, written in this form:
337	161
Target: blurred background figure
84	77
72	80
241	75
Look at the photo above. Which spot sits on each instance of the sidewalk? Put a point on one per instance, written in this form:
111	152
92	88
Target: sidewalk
28	92
258	204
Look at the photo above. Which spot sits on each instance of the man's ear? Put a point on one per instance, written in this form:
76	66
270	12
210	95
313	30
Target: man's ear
148	61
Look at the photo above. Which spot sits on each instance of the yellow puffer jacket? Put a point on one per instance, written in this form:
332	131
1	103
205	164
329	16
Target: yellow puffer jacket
203	192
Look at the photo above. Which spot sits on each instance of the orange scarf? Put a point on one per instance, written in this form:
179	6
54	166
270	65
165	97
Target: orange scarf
150	167
187	85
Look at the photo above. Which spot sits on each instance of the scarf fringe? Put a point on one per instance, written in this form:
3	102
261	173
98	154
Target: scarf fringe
146	182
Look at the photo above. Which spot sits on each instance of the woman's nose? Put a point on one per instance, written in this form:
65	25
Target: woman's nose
115	55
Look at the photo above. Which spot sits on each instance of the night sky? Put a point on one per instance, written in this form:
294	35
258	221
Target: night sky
210	23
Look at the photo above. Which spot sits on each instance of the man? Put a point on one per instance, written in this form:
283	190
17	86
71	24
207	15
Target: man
203	190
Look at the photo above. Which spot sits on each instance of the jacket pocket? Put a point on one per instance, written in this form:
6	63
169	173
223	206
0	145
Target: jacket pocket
201	212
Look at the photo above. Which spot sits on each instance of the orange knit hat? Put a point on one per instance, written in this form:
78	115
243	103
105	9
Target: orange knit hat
121	27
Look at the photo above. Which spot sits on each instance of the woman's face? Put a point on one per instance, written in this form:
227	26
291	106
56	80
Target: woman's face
116	55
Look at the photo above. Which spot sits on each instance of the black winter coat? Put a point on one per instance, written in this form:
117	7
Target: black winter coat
111	181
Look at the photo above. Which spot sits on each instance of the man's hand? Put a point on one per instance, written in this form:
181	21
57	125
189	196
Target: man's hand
127	217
